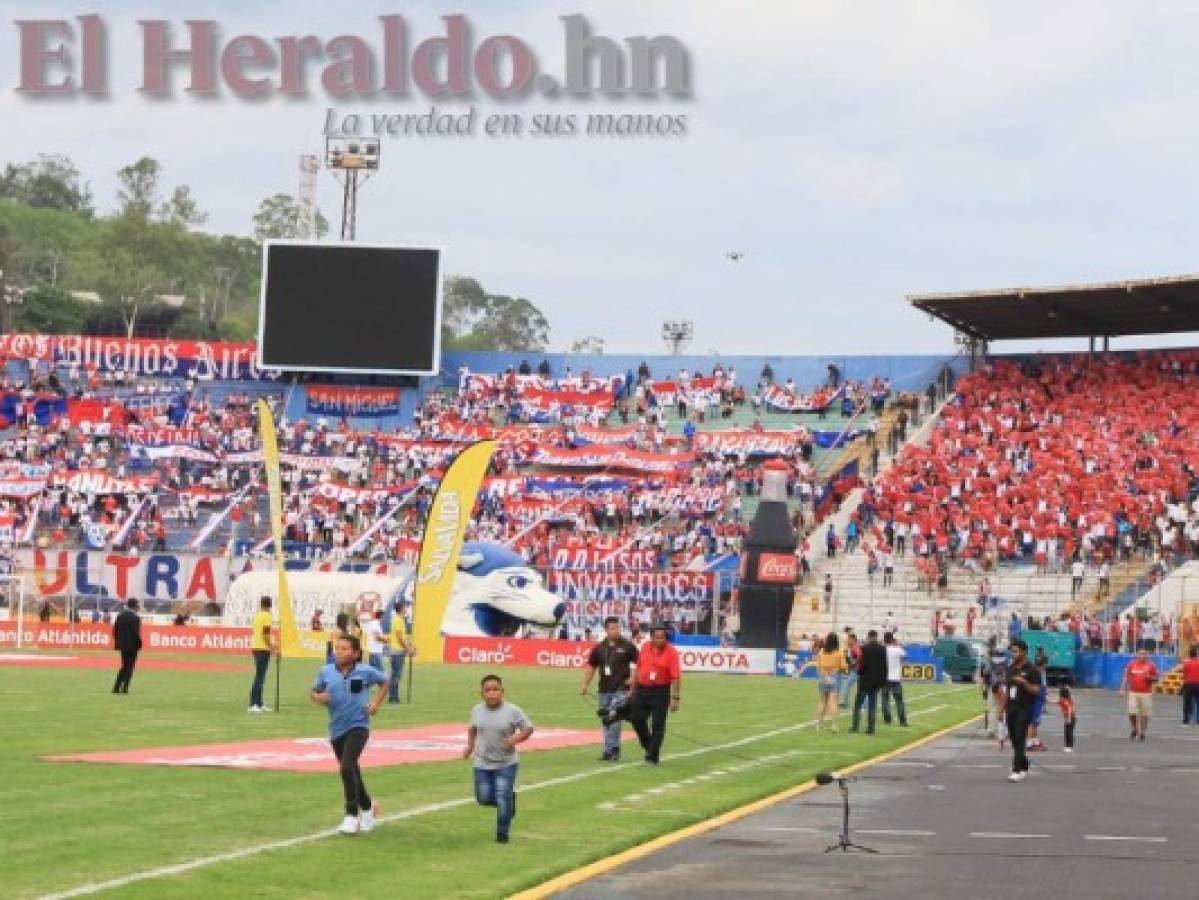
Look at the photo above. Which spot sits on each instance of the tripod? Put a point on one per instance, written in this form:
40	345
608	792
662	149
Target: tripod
844	844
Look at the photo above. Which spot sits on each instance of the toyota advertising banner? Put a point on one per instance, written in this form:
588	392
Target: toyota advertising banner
557	654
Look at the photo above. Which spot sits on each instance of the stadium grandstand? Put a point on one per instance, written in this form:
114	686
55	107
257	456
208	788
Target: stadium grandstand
1056	492
116	448
945	485
954	497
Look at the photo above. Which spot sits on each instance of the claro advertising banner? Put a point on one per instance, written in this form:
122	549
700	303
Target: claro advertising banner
557	654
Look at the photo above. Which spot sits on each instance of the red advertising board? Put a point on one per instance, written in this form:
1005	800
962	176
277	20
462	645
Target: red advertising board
488	651
777	568
155	638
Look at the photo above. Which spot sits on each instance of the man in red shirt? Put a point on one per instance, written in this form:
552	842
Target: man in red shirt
1190	687
1139	676
655	691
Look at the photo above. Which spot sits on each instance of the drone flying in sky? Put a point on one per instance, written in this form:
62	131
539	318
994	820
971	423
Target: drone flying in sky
734	256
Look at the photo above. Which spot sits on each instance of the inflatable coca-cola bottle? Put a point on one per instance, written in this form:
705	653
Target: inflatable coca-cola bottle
768	565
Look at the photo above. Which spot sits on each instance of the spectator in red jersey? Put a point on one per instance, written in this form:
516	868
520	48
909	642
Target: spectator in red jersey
1139	678
656	690
1190	687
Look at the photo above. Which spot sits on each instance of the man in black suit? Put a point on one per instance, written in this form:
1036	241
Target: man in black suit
127	638
872	675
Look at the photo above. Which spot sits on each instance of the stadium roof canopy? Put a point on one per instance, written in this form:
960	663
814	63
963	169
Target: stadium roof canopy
1150	306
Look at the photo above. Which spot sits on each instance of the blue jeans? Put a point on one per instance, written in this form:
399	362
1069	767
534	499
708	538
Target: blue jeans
611	732
497	787
847	684
397	672
375	661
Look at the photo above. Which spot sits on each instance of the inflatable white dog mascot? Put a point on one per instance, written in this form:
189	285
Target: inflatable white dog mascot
496	594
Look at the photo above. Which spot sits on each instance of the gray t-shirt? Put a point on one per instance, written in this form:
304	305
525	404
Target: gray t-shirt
492	726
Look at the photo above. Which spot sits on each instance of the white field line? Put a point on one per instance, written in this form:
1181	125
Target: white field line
202	862
773	759
895	832
1008	836
1120	837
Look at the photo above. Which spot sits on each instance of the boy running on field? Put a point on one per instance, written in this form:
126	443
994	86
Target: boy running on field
496	727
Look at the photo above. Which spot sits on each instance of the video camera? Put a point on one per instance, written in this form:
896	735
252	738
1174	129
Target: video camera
617	711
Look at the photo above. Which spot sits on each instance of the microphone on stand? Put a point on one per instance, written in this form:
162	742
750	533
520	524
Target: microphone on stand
826	778
844	842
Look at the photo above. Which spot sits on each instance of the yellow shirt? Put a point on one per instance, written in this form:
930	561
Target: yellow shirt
398	639
261	630
830	663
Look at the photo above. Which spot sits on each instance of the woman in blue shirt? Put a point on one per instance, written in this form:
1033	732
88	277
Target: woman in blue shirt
342	687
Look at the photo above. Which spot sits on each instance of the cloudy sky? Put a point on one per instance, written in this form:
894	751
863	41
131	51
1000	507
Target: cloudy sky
853	151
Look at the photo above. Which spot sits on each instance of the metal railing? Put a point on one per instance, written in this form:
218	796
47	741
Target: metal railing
1159	602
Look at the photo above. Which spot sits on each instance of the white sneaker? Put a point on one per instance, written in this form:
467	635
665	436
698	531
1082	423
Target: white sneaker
1017	776
366	820
254	709
349	825
1068	750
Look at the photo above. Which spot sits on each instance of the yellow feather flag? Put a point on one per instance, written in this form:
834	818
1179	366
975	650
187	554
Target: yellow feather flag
442	545
292	642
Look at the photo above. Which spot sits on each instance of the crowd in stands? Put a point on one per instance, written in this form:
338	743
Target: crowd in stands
1049	464
115	461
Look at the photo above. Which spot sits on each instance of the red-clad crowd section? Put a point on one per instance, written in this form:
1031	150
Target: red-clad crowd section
1054	457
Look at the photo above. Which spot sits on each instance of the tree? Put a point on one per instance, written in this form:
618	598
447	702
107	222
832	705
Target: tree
463	303
51	182
182	209
590	345
513	324
234	328
278	217
46	310
138	194
476	320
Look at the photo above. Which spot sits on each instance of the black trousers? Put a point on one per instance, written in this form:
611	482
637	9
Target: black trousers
1069	734
648	717
868	697
1190	704
125	673
1017	730
348	748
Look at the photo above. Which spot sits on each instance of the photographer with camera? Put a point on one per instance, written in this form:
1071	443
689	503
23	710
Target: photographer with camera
614	659
655	691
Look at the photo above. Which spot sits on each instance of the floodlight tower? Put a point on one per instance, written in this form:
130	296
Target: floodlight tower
310	164
677	335
356	159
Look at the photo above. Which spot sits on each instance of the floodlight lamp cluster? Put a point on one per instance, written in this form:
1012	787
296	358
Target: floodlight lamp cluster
678	331
352	153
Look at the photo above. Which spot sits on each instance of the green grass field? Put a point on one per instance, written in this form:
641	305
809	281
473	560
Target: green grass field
67	825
